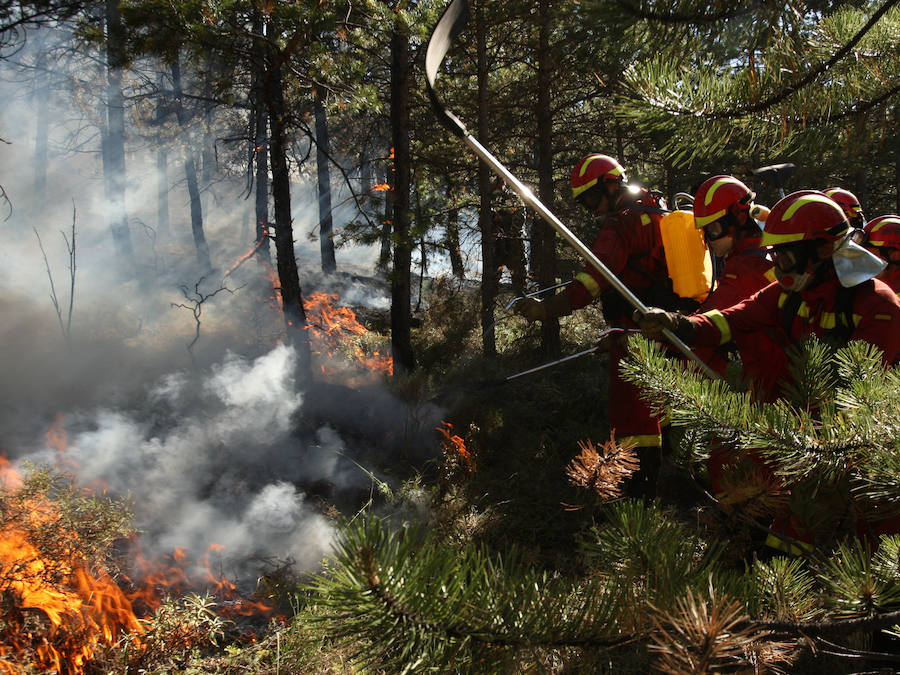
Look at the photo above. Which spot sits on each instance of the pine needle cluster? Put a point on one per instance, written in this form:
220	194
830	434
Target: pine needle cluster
603	470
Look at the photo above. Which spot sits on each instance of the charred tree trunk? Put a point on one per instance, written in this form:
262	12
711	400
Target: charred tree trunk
384	255
545	241
190	173
323	174
288	276
260	151
114	145
485	219
401	319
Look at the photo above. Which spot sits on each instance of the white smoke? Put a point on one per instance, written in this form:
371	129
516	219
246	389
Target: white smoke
212	465
207	444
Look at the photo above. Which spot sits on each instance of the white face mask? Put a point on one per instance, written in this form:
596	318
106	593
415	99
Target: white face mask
793	281
854	264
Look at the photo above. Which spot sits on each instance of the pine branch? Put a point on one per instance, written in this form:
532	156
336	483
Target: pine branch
812	74
703	15
399	599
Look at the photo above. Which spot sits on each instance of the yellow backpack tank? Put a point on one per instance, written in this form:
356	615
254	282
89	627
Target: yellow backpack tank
687	258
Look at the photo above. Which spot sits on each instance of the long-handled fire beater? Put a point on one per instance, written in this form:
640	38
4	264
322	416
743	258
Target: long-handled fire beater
450	25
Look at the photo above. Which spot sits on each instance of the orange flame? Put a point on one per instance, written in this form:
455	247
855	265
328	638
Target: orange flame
84	609
454	442
381	187
249	254
334	327
169	576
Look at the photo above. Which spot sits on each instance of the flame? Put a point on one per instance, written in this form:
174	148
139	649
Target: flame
333	327
381	187
59	608
249	254
82	605
454	442
179	573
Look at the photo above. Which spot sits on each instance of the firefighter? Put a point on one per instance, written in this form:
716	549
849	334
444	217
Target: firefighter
850	205
826	287
883	239
724	210
630	245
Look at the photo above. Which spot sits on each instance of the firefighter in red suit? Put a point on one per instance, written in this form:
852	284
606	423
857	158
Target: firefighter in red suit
630	245
883	239
826	287
724	210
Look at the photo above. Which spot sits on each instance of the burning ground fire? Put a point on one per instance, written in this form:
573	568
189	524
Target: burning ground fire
58	607
336	329
60	603
455	446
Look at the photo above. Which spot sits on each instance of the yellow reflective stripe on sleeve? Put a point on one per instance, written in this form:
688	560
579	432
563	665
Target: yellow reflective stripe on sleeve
880	317
770	274
642	441
589	283
791	548
721	323
646	219
828	320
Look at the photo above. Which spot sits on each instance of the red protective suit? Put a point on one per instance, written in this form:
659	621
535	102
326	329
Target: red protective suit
630	245
876	317
746	271
891	276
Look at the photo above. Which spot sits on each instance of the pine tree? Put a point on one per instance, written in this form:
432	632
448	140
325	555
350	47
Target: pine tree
660	587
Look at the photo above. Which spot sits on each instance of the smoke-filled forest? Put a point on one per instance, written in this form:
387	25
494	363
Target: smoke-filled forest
271	401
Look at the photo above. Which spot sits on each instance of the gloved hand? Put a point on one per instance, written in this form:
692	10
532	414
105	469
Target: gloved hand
533	310
656	320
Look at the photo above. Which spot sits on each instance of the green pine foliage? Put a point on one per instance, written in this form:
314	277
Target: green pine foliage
658	586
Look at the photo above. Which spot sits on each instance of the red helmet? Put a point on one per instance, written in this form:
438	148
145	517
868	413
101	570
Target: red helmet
719	196
847	201
884	231
593	169
804	215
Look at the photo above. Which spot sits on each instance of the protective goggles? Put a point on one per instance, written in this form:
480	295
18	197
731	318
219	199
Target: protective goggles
720	228
790	258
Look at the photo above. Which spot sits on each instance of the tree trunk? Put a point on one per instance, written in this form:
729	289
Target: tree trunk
323	174
190	173
260	151
453	248
485	219
288	276
545	243
114	145
401	320
42	122
162	171
384	254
